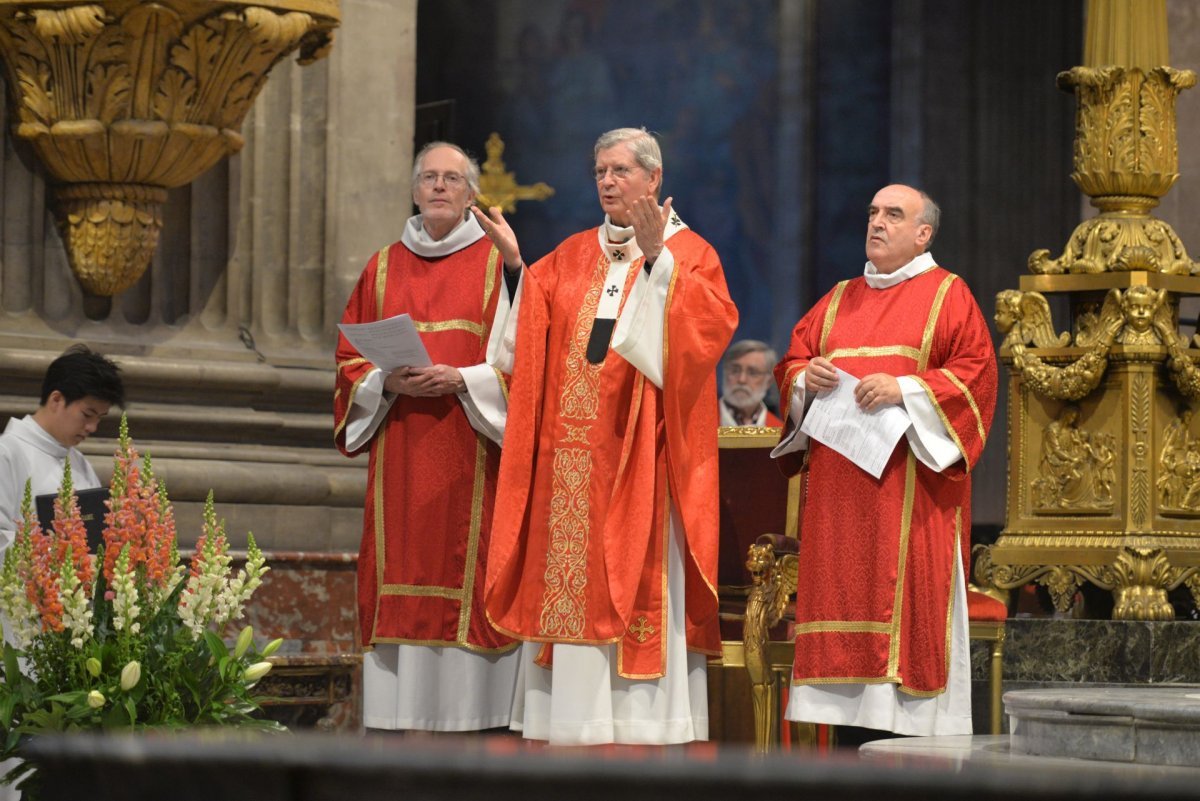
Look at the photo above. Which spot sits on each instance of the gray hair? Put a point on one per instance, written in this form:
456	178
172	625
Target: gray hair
743	346
643	144
472	165
931	215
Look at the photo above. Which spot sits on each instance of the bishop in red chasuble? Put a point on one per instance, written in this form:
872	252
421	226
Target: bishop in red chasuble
433	661
880	604
604	550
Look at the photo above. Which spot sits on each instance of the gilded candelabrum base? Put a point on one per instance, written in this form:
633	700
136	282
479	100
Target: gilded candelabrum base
1118	241
1138	577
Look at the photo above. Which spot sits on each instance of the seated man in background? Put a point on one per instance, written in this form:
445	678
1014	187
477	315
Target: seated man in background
745	381
79	388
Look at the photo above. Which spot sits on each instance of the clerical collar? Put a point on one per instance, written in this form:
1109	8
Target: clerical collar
619	243
878	280
418	240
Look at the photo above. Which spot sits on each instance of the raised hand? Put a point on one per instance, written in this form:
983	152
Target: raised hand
649	223
502	236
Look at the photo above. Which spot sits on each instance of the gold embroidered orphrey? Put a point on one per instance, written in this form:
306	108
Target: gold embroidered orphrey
1104	464
564	602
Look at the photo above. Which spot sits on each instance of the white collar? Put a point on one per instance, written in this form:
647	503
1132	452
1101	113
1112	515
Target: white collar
620	245
418	240
878	280
30	432
729	418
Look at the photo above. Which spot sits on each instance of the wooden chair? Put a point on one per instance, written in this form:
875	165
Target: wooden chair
772	562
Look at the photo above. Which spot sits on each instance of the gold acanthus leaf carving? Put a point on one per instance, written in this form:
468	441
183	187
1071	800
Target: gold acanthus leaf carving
1062	584
69	26
225	60
1117	243
1125	132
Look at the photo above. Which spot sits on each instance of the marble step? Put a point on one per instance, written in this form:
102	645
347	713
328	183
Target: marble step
1153	725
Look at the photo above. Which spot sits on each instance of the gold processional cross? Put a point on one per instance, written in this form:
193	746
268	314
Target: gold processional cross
498	187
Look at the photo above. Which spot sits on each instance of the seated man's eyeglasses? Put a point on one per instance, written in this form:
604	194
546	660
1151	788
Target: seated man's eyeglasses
749	372
452	180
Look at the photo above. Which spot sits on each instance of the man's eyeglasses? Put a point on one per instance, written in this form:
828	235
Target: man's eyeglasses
452	180
620	172
749	372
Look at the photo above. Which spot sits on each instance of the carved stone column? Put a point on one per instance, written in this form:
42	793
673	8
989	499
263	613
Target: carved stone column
122	100
1104	464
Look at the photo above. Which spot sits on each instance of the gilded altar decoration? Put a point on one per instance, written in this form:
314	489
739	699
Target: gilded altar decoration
1076	467
499	187
1179	467
123	100
1104	470
1126	158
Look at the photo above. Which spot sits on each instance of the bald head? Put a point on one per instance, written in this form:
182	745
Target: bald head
901	222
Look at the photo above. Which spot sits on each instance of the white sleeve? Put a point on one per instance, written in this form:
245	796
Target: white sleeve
10	499
927	436
797	440
502	343
639	332
484	401
371	405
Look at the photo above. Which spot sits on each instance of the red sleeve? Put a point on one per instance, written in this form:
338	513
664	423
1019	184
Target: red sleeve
962	377
701	319
352	368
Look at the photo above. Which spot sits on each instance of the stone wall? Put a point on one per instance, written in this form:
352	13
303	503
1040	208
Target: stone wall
227	341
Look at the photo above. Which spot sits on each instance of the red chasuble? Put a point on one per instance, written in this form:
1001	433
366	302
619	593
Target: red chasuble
431	478
875	582
595	456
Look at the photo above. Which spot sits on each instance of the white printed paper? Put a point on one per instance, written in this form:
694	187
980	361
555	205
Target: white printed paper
865	438
389	343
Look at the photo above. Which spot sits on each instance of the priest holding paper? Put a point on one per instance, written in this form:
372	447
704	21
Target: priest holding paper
604	552
881	621
433	661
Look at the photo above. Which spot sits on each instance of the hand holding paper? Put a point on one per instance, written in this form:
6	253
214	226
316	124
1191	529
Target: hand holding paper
865	438
389	343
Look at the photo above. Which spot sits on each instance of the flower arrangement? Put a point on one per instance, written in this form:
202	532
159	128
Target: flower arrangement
127	638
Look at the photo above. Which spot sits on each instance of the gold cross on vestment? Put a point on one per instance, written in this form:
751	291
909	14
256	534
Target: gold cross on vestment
642	629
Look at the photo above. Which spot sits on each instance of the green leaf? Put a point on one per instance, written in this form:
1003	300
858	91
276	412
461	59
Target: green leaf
216	646
12	664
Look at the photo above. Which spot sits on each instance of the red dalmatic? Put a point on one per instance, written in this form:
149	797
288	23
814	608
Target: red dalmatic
431	480
876	563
